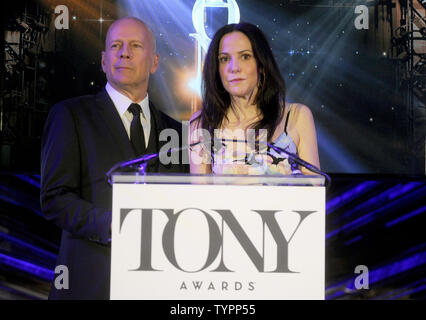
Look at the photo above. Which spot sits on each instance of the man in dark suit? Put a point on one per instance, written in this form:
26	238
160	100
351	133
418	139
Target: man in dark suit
83	138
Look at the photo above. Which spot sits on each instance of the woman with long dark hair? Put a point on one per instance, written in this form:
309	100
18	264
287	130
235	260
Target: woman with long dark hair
244	107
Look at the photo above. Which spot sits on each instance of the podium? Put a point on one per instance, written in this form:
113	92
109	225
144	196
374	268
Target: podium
212	237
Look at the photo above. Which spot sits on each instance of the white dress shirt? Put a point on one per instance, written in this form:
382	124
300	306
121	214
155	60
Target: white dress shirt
121	103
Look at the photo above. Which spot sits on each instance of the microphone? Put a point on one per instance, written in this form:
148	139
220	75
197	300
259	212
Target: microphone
141	162
301	162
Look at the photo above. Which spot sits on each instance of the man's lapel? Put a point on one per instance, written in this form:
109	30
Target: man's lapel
110	116
108	113
159	126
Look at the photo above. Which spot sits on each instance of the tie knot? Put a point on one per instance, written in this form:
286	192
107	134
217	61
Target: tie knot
135	109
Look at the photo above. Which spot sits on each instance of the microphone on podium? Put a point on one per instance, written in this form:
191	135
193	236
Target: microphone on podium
300	162
140	163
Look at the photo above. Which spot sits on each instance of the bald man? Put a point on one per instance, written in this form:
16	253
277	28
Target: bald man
82	139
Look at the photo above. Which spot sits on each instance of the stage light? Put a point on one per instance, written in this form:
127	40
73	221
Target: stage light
409	215
195	85
22	265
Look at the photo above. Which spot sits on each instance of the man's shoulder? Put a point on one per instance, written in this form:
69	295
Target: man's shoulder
167	121
80	105
76	102
166	118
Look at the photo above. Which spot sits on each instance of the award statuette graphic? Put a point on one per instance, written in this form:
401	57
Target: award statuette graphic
202	40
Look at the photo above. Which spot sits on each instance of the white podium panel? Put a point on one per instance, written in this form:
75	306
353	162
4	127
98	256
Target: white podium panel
219	240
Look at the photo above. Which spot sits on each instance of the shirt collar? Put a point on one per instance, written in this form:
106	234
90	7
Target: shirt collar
122	102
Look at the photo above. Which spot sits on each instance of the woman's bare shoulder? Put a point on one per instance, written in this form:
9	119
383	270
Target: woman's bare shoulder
297	107
300	111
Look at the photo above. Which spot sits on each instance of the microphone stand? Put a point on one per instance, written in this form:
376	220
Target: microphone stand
142	162
301	162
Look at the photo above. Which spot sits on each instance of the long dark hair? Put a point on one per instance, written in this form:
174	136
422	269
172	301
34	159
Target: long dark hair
270	98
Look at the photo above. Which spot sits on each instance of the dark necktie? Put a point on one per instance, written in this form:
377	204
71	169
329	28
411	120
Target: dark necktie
137	137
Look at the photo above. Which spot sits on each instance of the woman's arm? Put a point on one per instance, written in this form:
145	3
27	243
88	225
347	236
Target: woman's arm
308	147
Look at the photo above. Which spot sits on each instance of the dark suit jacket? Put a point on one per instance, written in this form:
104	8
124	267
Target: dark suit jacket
83	138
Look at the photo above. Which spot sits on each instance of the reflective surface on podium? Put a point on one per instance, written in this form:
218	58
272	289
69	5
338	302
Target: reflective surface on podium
294	180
